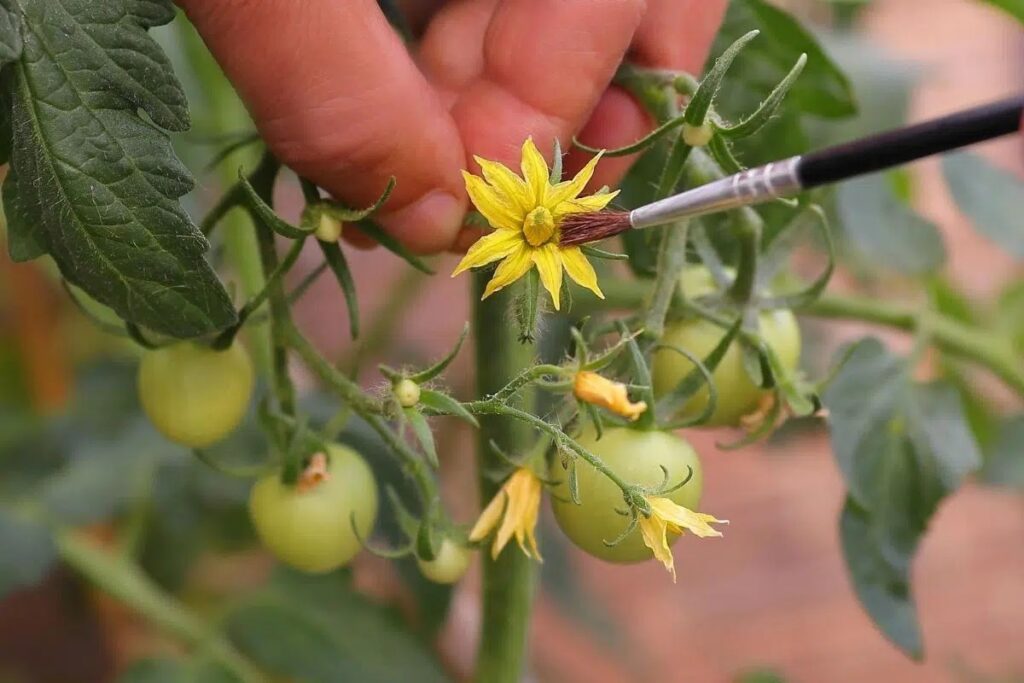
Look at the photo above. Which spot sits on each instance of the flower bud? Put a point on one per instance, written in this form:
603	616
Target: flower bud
328	229
407	393
697	136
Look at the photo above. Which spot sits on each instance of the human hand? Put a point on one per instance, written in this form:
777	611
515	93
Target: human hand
338	97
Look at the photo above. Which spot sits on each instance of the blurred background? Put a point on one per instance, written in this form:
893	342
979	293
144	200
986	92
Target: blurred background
770	602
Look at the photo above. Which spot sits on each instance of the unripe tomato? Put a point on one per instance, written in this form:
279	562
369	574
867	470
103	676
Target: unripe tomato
448	565
195	395
311	529
737	395
636	457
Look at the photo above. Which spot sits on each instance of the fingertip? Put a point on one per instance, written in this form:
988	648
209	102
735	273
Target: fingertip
428	225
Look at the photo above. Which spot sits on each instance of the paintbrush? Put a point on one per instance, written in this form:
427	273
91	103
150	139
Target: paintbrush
790	176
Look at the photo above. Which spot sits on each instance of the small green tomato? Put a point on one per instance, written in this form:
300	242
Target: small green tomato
195	395
309	525
448	565
637	457
737	395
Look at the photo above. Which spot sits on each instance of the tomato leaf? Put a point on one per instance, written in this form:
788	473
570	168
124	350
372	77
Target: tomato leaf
28	552
92	182
1004	461
177	671
885	231
11	43
318	630
822	90
902	448
992	198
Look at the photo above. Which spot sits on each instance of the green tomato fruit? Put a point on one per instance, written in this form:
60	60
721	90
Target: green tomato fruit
637	458
737	395
448	565
195	395
312	530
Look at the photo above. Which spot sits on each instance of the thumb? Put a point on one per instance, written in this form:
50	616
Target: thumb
337	98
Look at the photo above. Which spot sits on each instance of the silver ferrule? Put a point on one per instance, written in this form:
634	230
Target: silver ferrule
753	186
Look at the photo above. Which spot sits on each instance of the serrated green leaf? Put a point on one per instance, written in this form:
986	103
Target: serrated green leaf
317	630
101	182
177	671
882	585
10	33
1004	460
444	403
823	89
885	231
28	552
992	198
902	449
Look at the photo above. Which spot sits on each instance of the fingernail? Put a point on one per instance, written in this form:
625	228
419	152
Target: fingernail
430	224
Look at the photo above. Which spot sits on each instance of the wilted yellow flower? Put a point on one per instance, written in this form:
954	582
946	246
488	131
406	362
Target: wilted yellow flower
593	388
667	516
519	500
525	214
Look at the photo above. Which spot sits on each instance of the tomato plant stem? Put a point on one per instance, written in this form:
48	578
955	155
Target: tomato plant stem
508	582
986	348
118	576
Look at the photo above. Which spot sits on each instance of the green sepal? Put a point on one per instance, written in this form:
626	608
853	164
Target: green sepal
763	114
263	212
700	103
335	258
369	228
421	430
443	403
440	366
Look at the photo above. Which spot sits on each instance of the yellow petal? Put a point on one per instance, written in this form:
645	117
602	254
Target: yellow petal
580	270
697	523
516	490
488	518
593	388
511	269
493	205
507	183
570	189
535	173
488	249
594	202
549	265
528	524
654	532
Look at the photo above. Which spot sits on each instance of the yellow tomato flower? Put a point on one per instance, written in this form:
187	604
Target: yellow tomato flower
525	214
519	500
667	516
593	388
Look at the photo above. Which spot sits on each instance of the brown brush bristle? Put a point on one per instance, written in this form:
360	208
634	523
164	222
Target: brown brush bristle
581	228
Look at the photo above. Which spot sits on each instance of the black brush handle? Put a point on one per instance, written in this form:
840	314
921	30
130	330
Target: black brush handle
897	147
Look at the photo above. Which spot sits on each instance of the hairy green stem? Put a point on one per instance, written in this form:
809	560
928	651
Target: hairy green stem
508	582
986	348
122	579
262	181
362	405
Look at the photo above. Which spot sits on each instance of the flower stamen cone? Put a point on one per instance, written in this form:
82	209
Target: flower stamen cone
669	517
525	212
600	391
314	474
513	510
